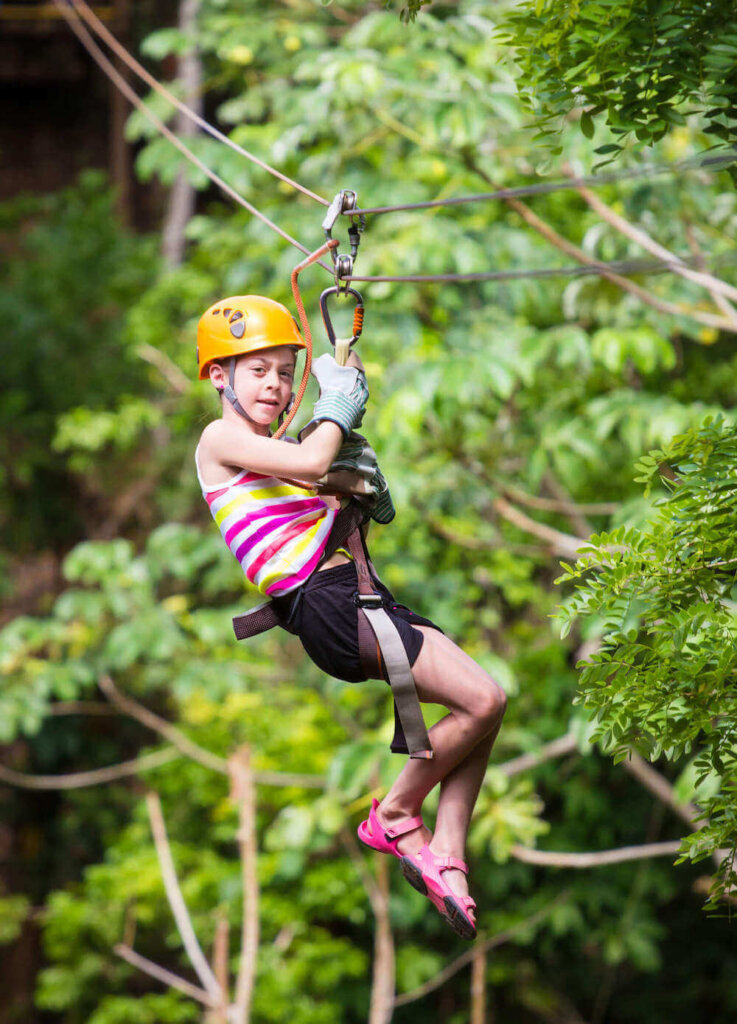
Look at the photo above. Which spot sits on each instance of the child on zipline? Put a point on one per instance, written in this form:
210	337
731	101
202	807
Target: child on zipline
279	530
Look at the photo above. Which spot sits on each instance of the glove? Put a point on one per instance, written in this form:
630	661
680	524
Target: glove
343	394
355	471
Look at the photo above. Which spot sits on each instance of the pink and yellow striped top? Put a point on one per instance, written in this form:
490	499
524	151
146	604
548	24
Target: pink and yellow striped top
277	531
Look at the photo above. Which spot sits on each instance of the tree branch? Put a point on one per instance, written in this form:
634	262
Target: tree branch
176	901
160	725
594	508
551	859
485	944
659	786
562	544
714	285
552	236
719	300
169	370
191	749
78	780
244	795
384	964
163	975
525	762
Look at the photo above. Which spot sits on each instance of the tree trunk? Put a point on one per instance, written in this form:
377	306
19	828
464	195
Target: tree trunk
182	196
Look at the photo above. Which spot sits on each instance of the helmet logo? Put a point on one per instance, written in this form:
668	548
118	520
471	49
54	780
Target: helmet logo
237	323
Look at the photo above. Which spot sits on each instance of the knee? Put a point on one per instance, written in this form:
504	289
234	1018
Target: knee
488	706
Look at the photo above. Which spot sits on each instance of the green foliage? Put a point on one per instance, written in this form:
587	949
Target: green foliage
644	67
541	393
663	596
63	296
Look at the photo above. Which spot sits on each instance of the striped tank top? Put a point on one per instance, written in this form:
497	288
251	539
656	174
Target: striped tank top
277	531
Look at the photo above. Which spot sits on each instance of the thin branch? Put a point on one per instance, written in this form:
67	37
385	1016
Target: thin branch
719	300
659	786
562	544
486	944
551	859
176	901
169	370
191	749
160	725
244	794
525	762
475	544
384	963
81	707
713	284
78	780
593	508
220	958
478	984
552	236
161	974
575	516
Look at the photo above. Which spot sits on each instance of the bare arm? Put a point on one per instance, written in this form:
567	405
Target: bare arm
226	444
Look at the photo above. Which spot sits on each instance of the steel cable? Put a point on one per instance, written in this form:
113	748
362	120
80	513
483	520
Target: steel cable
74	22
621	267
547	187
101	30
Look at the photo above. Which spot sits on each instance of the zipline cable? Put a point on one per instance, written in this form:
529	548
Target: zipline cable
547	187
621	267
84	11
102	61
80	10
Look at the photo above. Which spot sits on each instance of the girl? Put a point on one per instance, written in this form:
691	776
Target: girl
278	531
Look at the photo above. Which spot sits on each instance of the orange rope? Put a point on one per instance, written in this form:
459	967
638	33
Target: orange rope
312	258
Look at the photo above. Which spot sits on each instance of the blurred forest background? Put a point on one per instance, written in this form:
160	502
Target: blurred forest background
513	421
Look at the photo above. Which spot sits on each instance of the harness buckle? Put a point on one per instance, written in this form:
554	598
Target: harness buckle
367	600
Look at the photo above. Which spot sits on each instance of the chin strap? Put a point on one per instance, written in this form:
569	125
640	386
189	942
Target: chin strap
230	393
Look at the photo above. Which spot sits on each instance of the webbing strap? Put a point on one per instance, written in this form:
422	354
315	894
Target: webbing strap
258	620
395	658
401	681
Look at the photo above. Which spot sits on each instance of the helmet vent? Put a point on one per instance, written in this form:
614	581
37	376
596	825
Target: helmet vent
227	312
236	316
238	329
215	312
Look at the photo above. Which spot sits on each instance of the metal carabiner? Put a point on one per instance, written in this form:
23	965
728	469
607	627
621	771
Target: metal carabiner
357	312
344	203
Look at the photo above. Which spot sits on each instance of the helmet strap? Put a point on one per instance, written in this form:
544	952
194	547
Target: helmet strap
287	410
230	393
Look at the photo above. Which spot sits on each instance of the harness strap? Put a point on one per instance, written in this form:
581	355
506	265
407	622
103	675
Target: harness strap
256	621
408	714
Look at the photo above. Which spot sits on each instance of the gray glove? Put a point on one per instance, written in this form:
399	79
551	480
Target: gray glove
356	471
343	394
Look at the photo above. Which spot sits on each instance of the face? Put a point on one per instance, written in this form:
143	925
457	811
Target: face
263	382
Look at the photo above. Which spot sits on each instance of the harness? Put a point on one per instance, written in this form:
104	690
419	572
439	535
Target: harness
380	646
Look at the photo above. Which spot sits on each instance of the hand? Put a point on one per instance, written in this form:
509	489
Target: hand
356	471
343	393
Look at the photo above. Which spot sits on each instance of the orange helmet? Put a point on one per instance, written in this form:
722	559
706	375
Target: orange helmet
243	323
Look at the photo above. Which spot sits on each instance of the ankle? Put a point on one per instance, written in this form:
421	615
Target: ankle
391	811
442	847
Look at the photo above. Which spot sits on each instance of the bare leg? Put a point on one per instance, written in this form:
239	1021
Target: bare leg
461	742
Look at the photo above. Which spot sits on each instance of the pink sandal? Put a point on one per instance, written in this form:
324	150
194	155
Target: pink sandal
427	879
384	838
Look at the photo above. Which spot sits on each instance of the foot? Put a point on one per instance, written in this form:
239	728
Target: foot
457	880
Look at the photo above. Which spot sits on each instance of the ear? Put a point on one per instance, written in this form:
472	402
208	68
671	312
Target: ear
217	376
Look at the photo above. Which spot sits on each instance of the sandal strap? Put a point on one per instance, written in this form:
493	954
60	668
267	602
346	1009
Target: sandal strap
402	827
443	863
396	830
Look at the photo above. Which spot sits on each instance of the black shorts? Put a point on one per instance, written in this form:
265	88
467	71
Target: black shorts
323	615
